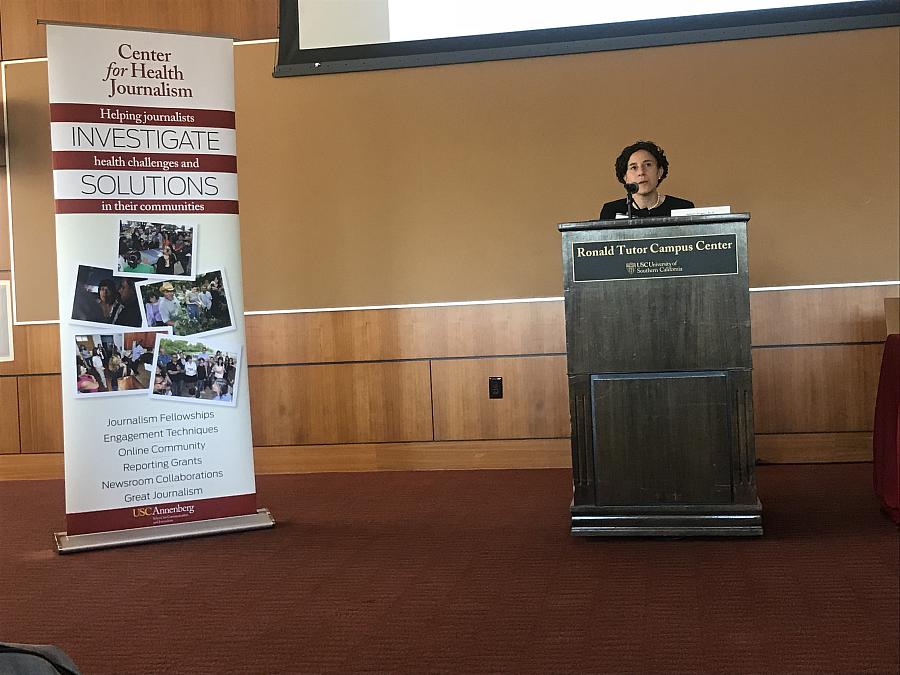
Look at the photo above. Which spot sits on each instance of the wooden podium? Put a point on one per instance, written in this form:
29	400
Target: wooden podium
658	345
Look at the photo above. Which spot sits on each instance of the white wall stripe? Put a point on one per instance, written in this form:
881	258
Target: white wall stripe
857	284
36	59
263	41
409	306
511	301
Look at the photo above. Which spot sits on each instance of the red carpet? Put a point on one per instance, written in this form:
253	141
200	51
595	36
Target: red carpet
449	572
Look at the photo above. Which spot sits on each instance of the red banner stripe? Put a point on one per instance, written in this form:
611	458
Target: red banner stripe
160	514
146	207
142	161
140	115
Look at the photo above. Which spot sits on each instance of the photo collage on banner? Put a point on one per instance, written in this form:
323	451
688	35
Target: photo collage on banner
156	410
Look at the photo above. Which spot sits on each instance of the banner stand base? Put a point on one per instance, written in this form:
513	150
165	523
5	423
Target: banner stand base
145	535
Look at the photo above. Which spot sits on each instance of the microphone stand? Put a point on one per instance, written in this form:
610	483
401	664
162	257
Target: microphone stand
629	200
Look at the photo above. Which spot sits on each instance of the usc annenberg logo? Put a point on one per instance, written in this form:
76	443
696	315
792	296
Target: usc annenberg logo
142	512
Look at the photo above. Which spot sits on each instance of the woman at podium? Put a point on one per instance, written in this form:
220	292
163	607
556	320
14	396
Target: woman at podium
643	164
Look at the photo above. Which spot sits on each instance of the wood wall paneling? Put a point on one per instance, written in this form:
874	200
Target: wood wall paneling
314	458
537	453
9	416
814	448
518	454
23	38
32	467
811	403
327	337
815	389
892	315
36	350
535	401
408	333
341	403
778	318
819	315
40	414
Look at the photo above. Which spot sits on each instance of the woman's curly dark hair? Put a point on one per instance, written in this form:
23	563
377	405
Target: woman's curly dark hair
110	286
649	146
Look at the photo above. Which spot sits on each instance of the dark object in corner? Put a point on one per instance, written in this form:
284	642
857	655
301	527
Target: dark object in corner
19	659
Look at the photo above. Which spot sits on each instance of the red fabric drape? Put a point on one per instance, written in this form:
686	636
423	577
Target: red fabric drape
886	439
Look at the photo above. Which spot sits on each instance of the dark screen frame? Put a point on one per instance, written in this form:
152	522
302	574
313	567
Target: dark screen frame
293	61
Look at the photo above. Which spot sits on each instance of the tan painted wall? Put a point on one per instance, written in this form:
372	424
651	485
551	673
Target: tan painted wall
446	183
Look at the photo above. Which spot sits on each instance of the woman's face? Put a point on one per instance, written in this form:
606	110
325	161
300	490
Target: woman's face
105	294
643	170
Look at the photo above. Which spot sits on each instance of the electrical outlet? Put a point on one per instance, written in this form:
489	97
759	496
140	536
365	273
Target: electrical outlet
495	387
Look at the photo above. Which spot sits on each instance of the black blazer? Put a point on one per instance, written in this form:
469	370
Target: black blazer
610	209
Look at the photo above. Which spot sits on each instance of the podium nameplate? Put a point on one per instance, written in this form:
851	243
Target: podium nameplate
654	257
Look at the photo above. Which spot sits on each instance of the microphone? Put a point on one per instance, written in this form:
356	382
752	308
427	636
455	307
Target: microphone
630	189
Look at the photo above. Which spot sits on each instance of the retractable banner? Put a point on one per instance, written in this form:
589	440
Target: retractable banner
156	408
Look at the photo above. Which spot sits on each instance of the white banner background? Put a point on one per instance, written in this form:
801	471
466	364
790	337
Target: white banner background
98	468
